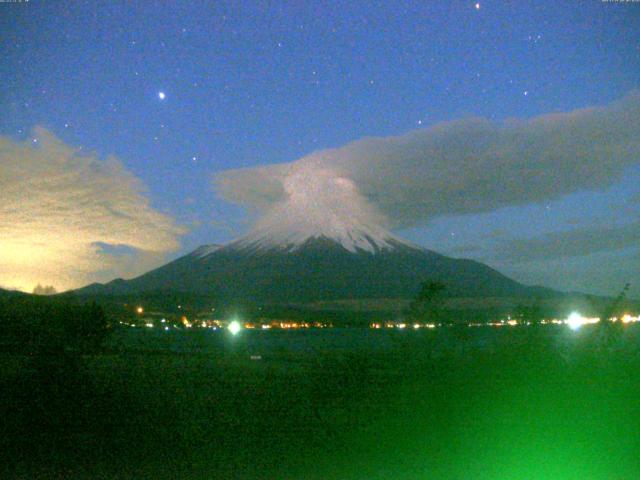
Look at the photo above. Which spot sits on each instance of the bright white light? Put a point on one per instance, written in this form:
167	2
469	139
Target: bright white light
234	327
161	95
575	320
628	318
477	6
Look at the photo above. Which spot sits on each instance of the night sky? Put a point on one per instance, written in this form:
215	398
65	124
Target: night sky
139	107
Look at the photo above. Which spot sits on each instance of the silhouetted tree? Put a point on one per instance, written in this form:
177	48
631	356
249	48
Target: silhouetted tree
44	290
614	308
427	306
531	314
610	330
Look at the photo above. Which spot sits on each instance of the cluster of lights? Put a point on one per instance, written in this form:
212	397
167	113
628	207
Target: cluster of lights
573	321
289	325
401	325
282	325
185	322
628	318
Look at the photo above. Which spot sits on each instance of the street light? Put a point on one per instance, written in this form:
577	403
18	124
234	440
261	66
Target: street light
234	327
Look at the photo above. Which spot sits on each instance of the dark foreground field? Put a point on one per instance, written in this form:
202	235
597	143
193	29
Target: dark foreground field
504	403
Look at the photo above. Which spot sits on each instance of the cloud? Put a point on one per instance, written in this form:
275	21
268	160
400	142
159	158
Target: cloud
64	216
573	243
465	250
467	166
604	272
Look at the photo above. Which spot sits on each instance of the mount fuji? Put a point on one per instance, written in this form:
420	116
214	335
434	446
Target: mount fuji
321	241
300	266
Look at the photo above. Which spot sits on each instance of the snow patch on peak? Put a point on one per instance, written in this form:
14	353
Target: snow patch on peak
368	240
320	203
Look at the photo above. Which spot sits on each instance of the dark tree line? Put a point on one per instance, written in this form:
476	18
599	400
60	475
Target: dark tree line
37	324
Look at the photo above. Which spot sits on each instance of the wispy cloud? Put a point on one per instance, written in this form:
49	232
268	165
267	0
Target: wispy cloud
60	210
572	243
467	166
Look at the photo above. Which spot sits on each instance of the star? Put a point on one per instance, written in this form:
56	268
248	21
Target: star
477	5
161	95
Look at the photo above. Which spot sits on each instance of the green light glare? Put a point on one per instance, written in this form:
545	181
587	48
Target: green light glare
234	327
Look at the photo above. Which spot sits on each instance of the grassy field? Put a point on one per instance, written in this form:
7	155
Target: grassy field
454	403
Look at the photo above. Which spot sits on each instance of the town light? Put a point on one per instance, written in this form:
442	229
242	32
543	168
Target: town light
234	327
575	321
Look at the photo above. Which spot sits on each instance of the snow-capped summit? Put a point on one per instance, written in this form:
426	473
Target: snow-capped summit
317	204
293	235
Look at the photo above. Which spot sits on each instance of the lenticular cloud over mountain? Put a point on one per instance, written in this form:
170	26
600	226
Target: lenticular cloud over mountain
467	166
318	202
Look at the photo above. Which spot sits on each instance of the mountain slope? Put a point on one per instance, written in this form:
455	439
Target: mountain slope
323	241
11	293
319	268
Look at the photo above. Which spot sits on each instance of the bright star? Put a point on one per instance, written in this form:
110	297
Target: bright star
477	6
161	95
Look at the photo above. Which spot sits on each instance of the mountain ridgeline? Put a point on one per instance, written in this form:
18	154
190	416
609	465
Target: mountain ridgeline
317	269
